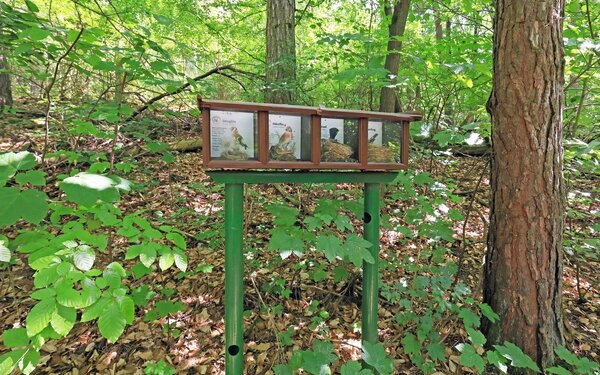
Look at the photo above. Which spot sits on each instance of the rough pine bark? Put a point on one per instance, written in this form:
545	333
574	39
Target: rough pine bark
388	98
5	88
523	268
281	51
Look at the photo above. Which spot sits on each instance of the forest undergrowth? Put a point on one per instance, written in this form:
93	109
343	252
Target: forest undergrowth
291	301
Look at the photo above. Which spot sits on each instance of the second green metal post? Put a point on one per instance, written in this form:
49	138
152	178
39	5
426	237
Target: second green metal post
234	279
370	294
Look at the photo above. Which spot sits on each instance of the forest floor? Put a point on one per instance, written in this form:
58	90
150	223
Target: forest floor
181	194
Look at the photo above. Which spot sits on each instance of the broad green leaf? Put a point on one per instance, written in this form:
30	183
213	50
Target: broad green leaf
281	241
375	355
470	358
35	178
12	162
177	239
436	351
127	308
88	188
95	310
39	316
8	361
166	260
330	246
476	337
354	368
284	215
63	320
163	20
29	361
559	370
181	260
15	337
31	6
84	258
496	360
356	250
469	317
410	344
111	322
487	311
148	256
30	205
35	33
516	356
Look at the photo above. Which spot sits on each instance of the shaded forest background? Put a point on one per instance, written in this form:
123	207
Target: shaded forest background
108	88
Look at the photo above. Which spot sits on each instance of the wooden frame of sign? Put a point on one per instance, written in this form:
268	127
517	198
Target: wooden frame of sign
238	135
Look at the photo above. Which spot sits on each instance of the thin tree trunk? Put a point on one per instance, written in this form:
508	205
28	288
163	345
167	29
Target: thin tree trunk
388	99
523	269
281	51
6	99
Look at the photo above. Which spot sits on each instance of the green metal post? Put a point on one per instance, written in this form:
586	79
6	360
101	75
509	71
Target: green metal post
371	271
234	279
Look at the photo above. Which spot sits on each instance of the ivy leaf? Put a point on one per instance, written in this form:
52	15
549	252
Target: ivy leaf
15	337
476	337
354	368
39	316
281	241
487	311
516	356
356	250
284	215
375	355
111	322
497	360
35	178
469	317
470	358
63	320
436	351
410	344
343	223
30	205
330	246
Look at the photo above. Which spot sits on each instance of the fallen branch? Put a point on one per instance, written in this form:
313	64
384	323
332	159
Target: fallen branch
217	70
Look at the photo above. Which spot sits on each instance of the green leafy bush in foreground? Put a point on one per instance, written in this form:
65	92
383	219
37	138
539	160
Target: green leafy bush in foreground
68	244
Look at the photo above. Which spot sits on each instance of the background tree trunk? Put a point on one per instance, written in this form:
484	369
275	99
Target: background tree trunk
388	99
5	88
523	269
281	51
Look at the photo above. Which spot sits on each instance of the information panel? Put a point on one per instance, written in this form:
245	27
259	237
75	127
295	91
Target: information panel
231	133
332	129
284	134
375	133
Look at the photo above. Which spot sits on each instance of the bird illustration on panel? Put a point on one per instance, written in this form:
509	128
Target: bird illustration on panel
237	138
286	139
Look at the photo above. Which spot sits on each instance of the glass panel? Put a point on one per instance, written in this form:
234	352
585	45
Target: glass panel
233	135
289	137
339	140
385	141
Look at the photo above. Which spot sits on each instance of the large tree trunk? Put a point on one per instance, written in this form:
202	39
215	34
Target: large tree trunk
388	99
523	269
281	51
5	89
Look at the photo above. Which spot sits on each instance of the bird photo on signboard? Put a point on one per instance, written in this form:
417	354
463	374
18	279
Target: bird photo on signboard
373	138
286	139
237	138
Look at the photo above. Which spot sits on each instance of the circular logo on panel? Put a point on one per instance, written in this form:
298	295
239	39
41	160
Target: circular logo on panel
216	120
